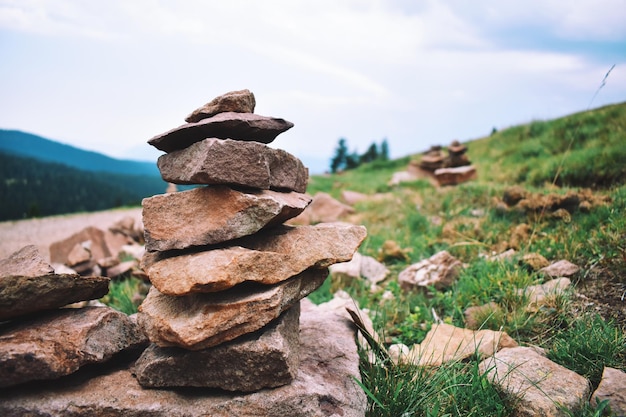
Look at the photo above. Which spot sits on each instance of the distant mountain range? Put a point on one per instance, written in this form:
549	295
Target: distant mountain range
41	177
33	146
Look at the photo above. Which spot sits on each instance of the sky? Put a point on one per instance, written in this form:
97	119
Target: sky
109	75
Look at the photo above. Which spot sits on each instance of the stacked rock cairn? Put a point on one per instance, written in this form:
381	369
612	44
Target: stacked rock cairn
227	272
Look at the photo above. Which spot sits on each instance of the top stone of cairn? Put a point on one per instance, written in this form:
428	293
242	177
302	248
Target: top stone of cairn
241	101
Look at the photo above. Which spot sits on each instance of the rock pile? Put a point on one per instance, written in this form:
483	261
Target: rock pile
227	272
39	340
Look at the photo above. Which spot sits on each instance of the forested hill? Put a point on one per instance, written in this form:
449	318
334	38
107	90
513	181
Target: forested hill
33	188
33	146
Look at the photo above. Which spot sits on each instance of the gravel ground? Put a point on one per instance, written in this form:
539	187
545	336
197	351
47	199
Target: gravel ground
14	235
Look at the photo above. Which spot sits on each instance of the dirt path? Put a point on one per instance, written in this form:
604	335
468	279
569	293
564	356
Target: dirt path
14	235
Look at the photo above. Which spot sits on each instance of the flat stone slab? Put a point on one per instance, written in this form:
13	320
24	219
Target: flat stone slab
227	125
28	284
267	358
199	321
57	344
214	214
268	258
233	162
323	387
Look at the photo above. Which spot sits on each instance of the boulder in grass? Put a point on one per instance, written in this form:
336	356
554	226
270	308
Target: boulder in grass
440	271
228	125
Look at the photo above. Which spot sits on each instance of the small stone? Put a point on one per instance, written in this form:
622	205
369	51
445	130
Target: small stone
561	268
214	214
440	271
444	343
200	321
79	254
541	386
539	294
228	125
323	209
241	101
237	163
266	358
121	268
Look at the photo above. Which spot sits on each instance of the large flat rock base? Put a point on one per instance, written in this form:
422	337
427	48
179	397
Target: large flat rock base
323	387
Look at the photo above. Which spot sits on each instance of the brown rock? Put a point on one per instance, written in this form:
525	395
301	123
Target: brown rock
444	343
455	175
539	295
561	268
613	388
232	162
199	321
59	251
214	214
266	358
323	209
534	261
228	125
26	262
61	342
324	386
267	258
24	294
543	388
121	268
241	101
360	266
440	271
79	254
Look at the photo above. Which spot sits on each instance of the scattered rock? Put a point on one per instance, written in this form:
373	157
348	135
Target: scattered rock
59	343
241	101
352	197
444	343
266	358
227	125
80	253
26	262
323	209
440	271
539	295
613	388
231	162
214	214
562	268
542	386
99	247
400	177
121	268
360	266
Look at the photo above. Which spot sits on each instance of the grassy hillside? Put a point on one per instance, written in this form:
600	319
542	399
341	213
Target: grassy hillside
581	156
577	215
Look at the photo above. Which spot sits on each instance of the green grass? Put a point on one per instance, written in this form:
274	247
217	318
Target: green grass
466	221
